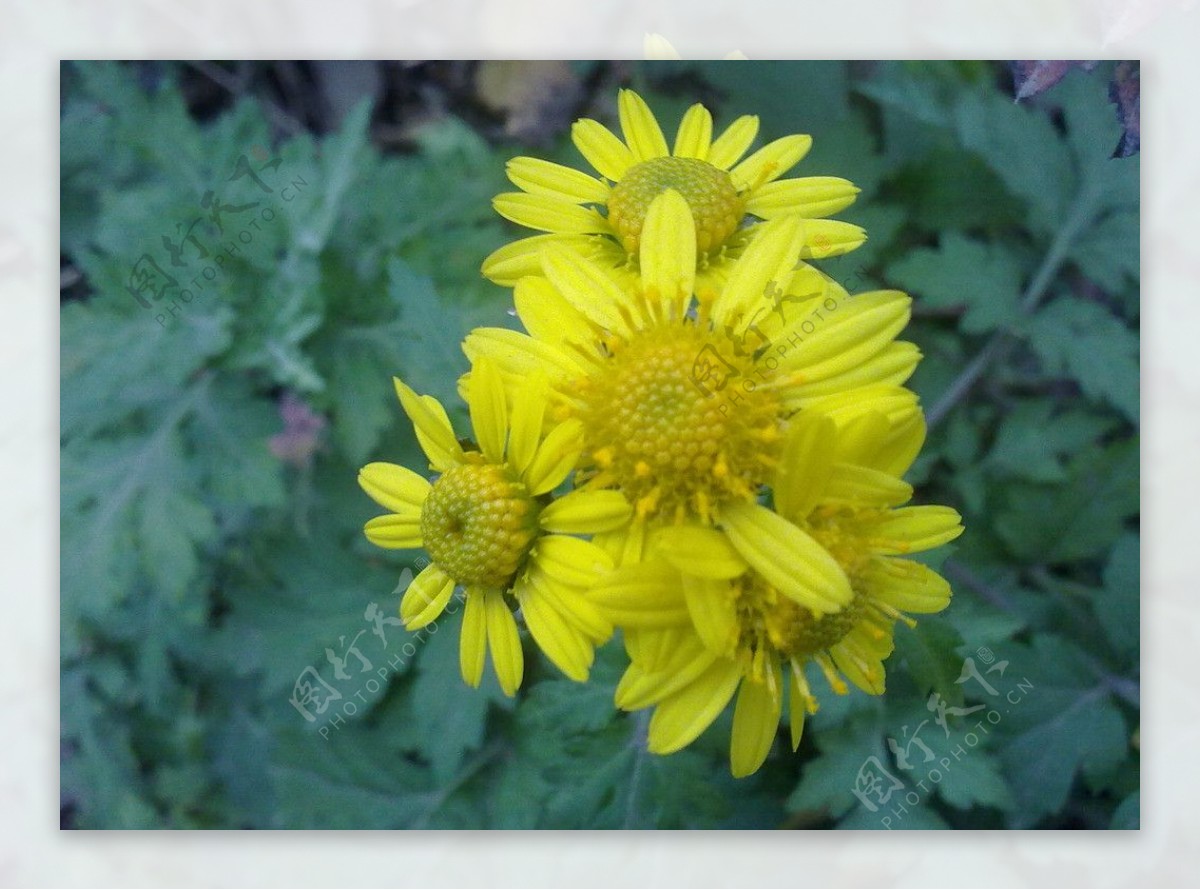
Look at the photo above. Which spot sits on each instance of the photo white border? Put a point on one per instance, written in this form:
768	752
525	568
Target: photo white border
36	34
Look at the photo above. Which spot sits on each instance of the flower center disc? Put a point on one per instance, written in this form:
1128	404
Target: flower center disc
478	524
679	424
766	616
715	204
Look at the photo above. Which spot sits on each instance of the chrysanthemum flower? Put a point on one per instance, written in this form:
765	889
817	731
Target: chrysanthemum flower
822	578
490	526
605	218
682	401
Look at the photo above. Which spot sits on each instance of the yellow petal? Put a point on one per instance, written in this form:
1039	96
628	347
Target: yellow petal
860	667
755	722
426	597
504	642
885	442
556	457
765	269
603	150
805	465
911	529
397	488
798	703
528	415
685	659
587	287
563	644
432	427
694	137
570	560
894	403
642	133
770	162
472	648
732	144
548	316
540	177
615	542
830	237
680	719
861	486
873	635
519	355
787	557
668	254
701	552
655	649
512	262
394	531
586	513
549	214
489	409
713	611
844	337
572	605
642	595
892	365
906	585
808	196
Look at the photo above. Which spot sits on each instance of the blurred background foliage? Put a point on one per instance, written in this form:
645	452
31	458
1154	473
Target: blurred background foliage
212	556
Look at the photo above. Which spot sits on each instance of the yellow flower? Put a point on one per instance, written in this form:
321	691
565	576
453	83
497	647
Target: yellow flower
605	218
682	400
822	578
490	526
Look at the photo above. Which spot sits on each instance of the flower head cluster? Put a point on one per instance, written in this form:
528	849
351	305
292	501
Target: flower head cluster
729	425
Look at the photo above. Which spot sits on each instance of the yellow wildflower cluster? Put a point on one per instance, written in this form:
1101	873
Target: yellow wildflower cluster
698	440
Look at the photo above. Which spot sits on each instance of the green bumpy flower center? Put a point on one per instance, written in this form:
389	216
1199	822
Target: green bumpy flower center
478	524
716	206
768	618
679	423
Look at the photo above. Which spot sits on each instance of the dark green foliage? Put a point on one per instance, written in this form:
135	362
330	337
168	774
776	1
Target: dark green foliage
211	552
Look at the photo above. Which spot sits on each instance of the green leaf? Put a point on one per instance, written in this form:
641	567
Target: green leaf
300	587
781	93
131	509
233	425
1017	142
827	781
1084	341
100	777
354	779
1109	252
1128	816
449	716
1056	524
1093	133
1118	603
1020	145
432	329
976	780
116	361
1035	437
930	657
932	186
1064	723
340	160
983	279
